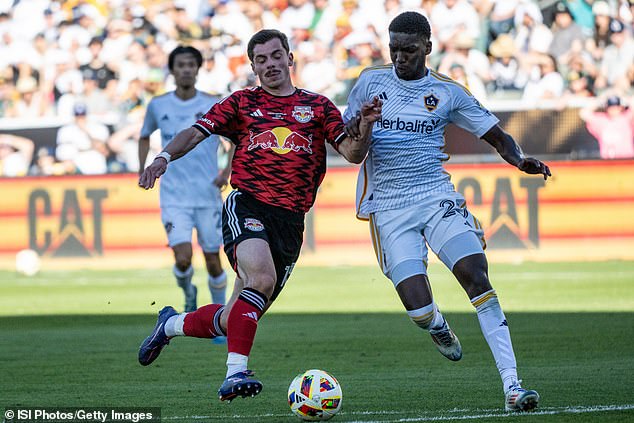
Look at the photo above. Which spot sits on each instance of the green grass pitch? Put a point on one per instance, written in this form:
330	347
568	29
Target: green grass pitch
70	338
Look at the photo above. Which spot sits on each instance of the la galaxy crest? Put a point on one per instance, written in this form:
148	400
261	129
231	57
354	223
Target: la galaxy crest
431	102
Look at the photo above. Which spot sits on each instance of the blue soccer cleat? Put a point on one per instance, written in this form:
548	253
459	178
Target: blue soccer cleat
153	344
239	384
219	340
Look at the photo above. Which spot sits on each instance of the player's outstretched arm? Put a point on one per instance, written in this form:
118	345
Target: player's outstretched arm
512	153
183	142
356	144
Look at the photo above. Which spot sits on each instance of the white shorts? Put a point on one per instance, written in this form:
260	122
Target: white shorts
401	236
180	222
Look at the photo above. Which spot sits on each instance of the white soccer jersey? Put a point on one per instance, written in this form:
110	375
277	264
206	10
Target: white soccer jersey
405	161
188	181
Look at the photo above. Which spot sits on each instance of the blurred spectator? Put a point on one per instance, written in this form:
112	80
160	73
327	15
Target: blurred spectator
186	29
617	58
69	79
82	143
452	17
458	73
115	44
15	155
229	21
579	85
78	32
531	35
580	75
96	100
502	17
545	82
133	67
46	164
474	63
133	98
322	26
214	76
30	102
582	12
361	52
601	34
626	12
316	70
357	17
298	14
95	68
506	74
7	96
613	127
567	34
254	12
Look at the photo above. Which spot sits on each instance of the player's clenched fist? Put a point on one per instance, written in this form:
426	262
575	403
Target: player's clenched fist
533	166
152	173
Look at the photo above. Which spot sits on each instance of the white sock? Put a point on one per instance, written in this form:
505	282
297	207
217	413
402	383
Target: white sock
236	363
428	317
174	325
496	332
509	378
218	287
184	279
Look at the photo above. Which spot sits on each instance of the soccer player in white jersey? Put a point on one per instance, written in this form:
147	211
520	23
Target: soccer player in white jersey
411	203
190	191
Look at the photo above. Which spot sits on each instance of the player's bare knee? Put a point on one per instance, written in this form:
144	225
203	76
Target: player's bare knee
182	262
472	273
213	263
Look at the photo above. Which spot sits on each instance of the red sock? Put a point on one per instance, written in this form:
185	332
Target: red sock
243	321
204	322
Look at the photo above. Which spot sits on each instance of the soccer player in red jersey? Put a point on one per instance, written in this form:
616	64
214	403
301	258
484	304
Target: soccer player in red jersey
280	133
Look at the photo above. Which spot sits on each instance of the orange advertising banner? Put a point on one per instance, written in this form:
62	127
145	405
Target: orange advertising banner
584	212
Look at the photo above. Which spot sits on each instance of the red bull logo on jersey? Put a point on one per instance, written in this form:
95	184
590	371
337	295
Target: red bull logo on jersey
281	140
431	102
303	114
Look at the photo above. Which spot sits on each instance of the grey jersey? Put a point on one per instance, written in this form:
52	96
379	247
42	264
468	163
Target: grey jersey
405	161
188	181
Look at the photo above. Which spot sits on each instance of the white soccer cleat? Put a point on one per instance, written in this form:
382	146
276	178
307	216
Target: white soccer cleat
518	399
447	342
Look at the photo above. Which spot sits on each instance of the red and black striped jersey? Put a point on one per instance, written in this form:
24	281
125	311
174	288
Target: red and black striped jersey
280	156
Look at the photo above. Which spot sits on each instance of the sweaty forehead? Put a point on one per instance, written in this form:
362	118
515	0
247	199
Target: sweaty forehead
401	39
267	48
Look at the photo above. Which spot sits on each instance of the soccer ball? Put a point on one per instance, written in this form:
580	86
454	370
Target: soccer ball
27	262
315	395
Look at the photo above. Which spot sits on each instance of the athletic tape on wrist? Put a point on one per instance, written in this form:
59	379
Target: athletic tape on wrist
164	154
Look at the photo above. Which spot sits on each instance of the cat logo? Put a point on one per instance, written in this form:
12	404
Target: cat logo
431	102
71	227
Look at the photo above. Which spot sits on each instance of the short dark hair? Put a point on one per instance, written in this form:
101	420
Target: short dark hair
411	23
182	50
264	36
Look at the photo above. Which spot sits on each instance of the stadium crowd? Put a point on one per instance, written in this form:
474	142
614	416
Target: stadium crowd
96	64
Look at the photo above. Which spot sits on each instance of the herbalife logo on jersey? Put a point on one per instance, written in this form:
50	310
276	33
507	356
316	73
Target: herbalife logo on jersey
418	126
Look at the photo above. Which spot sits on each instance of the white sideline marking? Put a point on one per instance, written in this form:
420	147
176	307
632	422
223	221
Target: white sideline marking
473	414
